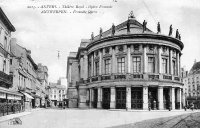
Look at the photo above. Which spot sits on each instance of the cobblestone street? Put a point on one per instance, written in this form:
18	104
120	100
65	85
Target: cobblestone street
88	118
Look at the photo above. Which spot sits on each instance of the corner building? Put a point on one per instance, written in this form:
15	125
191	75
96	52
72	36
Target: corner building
126	69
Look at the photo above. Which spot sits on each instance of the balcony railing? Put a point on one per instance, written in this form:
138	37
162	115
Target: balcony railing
120	76
176	78
6	79
153	77
167	77
106	77
127	76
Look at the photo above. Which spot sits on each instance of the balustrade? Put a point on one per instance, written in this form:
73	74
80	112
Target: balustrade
167	77
153	77
176	78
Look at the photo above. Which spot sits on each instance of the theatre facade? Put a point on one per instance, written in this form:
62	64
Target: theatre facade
126	67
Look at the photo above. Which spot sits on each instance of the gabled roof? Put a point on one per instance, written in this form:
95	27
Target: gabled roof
6	21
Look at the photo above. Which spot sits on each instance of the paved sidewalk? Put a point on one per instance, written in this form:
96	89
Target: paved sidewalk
11	116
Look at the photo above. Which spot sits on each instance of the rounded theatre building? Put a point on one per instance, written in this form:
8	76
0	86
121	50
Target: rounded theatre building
126	67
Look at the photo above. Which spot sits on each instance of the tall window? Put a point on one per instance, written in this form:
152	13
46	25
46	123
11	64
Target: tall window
164	65
89	68
136	64
5	43
97	68
107	66
121	65
174	67
151	64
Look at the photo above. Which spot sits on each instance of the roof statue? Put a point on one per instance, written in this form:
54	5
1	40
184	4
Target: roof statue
100	32
128	26
92	36
144	26
179	37
170	30
158	28
177	34
131	16
113	29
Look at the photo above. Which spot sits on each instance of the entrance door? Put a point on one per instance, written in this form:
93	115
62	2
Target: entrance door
166	98
95	98
106	98
136	98
121	98
153	100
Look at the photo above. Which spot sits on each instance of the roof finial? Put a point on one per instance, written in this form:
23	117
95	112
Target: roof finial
131	15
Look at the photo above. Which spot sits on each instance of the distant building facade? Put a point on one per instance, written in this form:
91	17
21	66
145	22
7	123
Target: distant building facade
127	66
57	94
191	82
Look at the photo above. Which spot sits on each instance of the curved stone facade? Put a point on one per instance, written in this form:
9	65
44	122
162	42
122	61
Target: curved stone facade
133	69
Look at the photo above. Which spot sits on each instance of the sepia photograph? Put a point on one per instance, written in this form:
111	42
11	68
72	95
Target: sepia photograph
99	64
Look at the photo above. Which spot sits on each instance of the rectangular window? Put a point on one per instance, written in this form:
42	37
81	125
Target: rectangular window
5	43
121	65
164	65
151	64
89	69
174	67
97	68
107	66
136	64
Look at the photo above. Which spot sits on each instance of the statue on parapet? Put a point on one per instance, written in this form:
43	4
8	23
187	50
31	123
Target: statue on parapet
170	30
158	28
131	16
177	34
100	32
92	36
144	26
128	26
113	29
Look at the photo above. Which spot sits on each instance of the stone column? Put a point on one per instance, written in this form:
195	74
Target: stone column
179	97
178	66
113	60
100	62
183	97
170	62
69	73
112	97
92	64
91	98
172	97
85	67
129	60
160	98
145	97
99	103
128	97
145	59
160	59
81	66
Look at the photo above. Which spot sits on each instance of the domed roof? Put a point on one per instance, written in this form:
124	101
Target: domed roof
121	29
195	68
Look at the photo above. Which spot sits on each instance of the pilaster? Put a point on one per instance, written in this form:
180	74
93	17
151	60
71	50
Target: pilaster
128	97
160	98
99	103
129	60
145	58
112	97
145	97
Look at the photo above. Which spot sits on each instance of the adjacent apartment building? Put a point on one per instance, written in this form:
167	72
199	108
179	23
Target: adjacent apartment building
191	82
8	96
126	67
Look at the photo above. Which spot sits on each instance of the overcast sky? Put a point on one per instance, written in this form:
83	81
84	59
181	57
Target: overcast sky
45	34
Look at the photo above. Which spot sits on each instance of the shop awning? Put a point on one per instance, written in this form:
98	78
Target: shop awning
27	95
6	91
